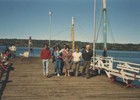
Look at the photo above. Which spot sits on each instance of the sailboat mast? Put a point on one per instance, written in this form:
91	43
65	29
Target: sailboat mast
72	34
94	40
105	29
50	14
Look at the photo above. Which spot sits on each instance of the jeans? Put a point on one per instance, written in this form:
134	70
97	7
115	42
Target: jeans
58	64
45	63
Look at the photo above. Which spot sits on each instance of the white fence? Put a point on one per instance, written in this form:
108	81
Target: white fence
114	68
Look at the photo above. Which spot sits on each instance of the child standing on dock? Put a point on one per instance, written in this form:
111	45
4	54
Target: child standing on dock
45	56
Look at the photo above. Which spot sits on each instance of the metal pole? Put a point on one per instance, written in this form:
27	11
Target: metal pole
94	44
50	14
105	29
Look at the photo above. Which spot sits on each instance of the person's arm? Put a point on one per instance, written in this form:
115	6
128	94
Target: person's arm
59	55
91	53
70	56
49	54
80	55
73	54
63	55
61	51
56	54
83	53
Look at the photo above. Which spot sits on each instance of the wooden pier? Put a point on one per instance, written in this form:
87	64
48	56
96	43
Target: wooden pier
26	82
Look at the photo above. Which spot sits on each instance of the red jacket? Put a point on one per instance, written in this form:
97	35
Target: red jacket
45	54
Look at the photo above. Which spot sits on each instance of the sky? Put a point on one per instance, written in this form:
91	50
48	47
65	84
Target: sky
23	18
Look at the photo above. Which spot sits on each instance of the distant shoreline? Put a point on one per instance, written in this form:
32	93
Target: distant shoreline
99	46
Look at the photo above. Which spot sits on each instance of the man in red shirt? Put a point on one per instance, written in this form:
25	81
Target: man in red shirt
45	55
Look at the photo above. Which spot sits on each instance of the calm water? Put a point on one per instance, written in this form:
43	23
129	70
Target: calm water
129	56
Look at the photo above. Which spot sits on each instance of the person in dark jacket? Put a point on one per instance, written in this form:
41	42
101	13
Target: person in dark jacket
86	55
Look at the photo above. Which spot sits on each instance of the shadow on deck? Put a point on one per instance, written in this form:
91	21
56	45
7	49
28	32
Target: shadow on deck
5	80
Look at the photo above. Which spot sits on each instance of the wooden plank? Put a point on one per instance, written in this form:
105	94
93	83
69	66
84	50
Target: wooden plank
26	82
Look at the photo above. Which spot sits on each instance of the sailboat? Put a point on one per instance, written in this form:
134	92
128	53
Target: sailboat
127	71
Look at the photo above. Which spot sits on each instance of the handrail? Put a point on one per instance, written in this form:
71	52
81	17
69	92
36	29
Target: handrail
126	62
107	58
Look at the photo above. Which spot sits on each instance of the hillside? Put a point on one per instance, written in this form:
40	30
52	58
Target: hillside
39	43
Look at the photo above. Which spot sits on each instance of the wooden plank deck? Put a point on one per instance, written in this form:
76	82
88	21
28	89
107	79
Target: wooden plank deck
27	83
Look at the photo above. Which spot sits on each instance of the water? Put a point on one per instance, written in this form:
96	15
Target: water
36	51
129	56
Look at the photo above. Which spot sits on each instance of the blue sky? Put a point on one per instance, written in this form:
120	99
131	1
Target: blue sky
23	18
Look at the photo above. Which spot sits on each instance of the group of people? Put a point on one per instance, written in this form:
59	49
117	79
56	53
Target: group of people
8	54
64	58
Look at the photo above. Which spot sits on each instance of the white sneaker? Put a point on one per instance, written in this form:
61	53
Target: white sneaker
58	74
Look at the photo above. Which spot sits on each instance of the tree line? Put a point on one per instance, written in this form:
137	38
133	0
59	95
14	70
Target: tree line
99	46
